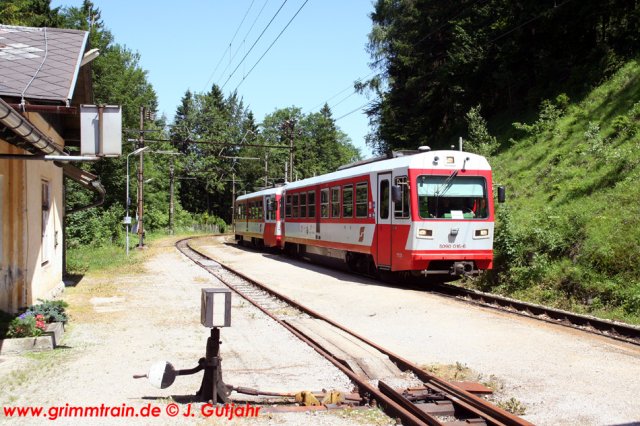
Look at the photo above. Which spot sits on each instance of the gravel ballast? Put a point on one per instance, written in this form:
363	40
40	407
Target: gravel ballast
560	375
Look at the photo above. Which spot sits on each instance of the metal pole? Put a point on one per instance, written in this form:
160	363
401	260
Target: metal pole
233	201
215	335
127	202
171	178
291	127
266	169
141	183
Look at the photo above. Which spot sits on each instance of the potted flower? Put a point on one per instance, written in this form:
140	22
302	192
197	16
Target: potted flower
27	324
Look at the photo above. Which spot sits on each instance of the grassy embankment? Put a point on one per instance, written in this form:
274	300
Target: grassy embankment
111	257
569	235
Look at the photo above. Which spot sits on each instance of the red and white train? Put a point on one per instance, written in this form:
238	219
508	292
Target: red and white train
420	212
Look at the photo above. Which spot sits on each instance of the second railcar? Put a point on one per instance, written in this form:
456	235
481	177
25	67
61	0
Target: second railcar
258	219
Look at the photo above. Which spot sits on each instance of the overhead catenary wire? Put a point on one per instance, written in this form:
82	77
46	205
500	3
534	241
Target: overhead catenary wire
230	43
254	43
350	87
215	143
244	39
353	111
274	42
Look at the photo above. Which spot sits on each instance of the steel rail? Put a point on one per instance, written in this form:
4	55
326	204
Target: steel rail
611	329
466	401
391	407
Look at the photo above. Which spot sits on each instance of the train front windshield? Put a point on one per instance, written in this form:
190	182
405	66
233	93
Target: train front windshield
452	197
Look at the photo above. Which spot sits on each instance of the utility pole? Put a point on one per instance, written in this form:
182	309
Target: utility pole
141	182
233	200
171	179
266	168
291	126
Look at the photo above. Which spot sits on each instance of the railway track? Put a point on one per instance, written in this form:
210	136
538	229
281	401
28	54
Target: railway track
437	402
614	330
611	329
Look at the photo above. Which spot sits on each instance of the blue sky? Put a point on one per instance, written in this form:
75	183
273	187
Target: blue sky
321	53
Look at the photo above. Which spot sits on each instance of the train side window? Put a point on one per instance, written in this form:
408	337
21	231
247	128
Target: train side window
384	200
401	209
288	208
281	206
260	209
362	198
335	202
295	205
324	203
311	202
303	204
347	201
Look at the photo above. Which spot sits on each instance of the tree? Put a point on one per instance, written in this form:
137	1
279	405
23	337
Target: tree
118	79
480	140
206	129
30	13
437	60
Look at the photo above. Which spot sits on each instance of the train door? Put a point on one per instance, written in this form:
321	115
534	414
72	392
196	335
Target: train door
384	220
317	210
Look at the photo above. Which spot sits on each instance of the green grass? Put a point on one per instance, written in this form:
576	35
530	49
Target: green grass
112	257
569	235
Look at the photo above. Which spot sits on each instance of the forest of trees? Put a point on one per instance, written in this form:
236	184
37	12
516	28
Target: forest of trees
217	137
437	60
549	90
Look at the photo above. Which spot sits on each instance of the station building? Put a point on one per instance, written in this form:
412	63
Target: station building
45	75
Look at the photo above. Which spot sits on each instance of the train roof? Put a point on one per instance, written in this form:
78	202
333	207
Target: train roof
267	191
445	160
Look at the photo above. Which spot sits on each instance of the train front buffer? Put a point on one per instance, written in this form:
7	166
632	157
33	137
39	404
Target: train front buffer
451	248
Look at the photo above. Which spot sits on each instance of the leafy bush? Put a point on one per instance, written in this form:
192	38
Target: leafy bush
480	140
94	227
211	220
51	310
549	114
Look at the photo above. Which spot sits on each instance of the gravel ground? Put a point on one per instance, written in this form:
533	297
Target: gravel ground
560	376
123	322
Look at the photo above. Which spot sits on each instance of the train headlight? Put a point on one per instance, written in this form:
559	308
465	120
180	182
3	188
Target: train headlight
425	233
481	233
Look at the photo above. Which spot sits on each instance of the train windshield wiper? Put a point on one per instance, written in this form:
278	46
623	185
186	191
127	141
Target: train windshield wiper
444	187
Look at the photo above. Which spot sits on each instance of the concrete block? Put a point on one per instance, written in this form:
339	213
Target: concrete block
56	331
51	338
26	344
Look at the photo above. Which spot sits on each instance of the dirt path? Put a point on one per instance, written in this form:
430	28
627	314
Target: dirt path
123	322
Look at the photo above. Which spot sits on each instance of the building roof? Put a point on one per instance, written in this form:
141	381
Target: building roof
40	63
